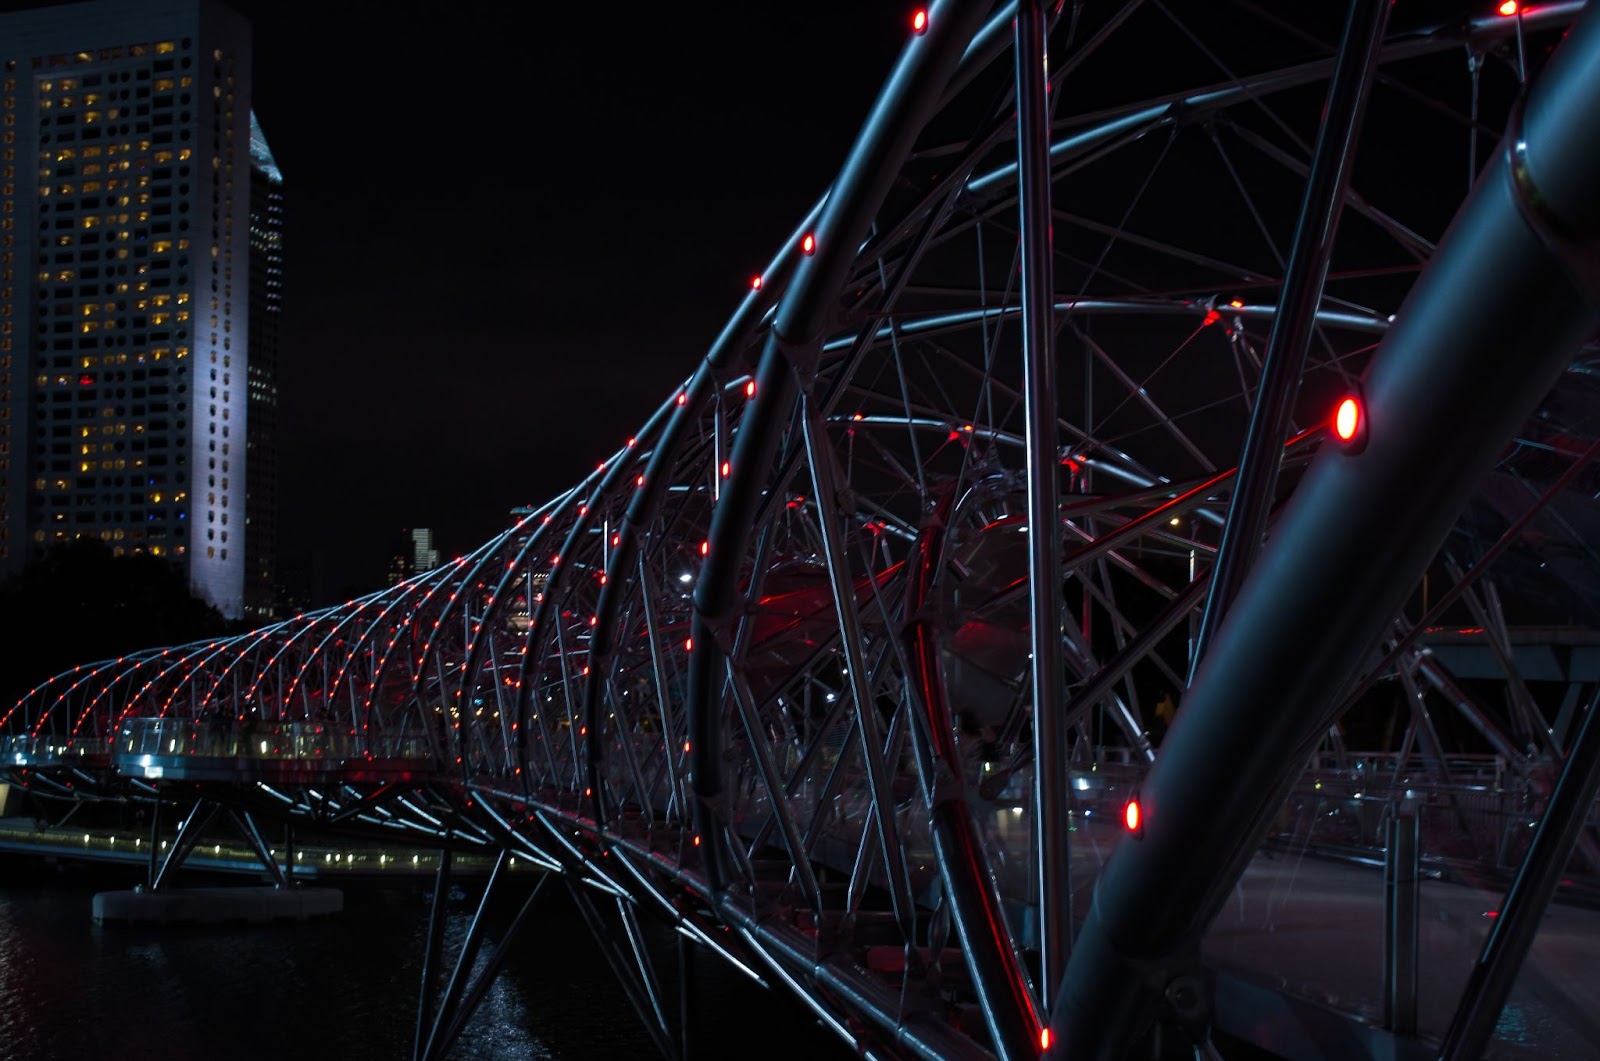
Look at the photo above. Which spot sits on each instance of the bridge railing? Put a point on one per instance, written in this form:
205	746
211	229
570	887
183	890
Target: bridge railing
278	741
36	750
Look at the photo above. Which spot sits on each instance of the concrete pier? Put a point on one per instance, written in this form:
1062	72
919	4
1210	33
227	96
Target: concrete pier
218	905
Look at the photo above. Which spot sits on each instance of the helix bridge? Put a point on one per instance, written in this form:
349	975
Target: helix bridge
998	642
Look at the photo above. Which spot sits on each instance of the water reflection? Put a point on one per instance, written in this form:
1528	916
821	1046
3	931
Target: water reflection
342	987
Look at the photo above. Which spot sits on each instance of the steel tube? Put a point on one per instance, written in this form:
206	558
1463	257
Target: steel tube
1044	524
1296	318
1401	895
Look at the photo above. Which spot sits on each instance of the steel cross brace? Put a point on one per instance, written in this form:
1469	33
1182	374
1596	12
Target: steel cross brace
1490	325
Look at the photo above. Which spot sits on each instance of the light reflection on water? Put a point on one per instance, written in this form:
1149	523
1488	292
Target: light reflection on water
341	987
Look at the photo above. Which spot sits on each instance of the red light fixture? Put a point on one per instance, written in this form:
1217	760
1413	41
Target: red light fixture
1044	1038
1348	420
755	283
1132	816
1509	8
809	244
750	389
919	21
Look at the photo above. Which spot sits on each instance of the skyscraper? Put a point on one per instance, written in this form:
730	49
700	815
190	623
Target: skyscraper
415	555
140	263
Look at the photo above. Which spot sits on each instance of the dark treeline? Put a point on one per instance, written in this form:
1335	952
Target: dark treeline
79	603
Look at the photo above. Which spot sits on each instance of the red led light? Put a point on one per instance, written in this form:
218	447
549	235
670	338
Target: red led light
688	644
1347	419
727	469
809	244
750	389
919	21
1509	8
755	283
705	548
1236	304
1212	317
1044	1038
1131	816
683	398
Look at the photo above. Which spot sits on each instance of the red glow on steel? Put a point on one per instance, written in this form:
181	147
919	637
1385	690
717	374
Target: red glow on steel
1347	419
1131	816
919	21
1509	8
809	244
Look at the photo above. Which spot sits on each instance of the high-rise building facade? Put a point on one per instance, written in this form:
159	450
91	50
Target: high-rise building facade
415	555
140	227
261	589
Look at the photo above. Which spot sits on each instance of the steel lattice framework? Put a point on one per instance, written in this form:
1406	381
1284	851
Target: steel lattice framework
799	669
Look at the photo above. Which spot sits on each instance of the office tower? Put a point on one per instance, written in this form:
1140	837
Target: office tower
416	555
131	176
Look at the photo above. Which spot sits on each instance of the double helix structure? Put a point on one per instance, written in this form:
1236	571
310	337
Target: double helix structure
1122	581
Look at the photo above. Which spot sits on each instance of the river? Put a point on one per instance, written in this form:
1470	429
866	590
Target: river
340	987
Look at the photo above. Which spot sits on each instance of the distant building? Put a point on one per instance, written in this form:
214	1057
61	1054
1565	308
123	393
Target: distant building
415	555
140	279
261	588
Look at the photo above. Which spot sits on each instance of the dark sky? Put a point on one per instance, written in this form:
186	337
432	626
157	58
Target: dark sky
513	229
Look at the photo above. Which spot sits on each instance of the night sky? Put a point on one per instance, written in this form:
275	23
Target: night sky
512	231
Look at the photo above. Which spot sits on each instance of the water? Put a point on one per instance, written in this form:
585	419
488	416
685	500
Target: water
342	987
